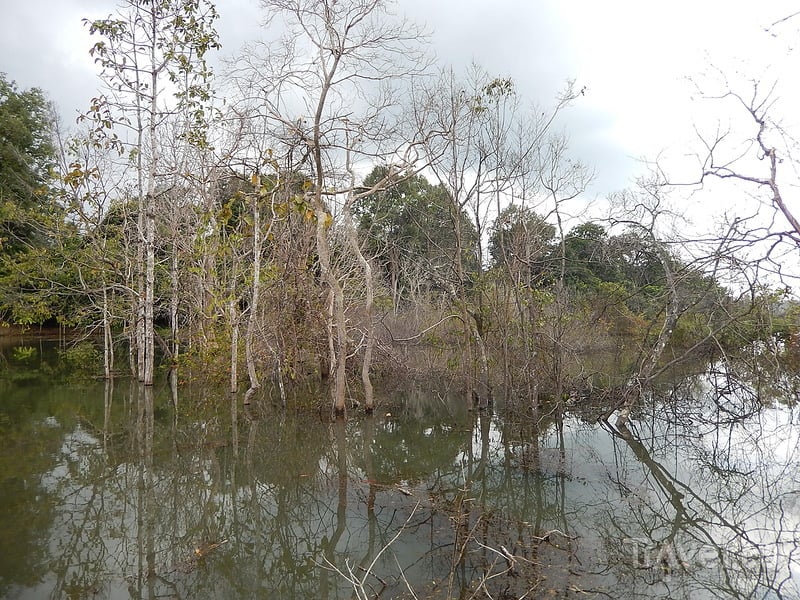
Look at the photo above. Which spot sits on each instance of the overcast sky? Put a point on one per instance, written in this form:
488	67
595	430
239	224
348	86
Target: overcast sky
633	56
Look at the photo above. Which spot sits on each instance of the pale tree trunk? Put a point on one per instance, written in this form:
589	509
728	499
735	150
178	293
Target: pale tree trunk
210	279
133	352
130	324
251	321
208	239
369	333
338	344
394	274
340	373
173	304
233	319
149	298
484	392
149	214
143	43
141	287
366	365
108	340
360	48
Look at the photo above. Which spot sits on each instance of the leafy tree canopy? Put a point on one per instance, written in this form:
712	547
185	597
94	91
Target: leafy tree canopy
520	237
409	228
27	157
29	212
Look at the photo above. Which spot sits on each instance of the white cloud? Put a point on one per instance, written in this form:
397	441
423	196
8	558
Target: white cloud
633	57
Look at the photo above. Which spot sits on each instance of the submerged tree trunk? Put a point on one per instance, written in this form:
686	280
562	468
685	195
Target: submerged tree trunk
139	329
108	340
144	43
633	390
337	344
366	365
369	331
340	366
173	305
149	210
484	390
149	297
233	319
254	298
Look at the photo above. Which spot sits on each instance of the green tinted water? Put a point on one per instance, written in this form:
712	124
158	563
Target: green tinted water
124	492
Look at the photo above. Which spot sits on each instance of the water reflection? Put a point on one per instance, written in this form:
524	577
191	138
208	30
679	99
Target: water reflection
120	491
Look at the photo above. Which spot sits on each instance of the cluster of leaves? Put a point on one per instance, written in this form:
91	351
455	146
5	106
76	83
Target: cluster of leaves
409	230
621	280
29	207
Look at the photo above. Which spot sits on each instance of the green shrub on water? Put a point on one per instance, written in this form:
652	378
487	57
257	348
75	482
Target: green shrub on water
23	353
81	360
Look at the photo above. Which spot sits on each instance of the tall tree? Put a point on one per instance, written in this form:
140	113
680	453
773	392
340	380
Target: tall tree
327	90
521	242
29	210
408	231
27	160
148	49
485	149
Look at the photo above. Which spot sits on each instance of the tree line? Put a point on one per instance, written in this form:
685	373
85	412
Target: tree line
335	205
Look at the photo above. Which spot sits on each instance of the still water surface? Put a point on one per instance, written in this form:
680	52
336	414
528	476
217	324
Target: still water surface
114	491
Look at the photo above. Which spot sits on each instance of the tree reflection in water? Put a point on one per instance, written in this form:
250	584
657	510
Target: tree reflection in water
710	501
143	496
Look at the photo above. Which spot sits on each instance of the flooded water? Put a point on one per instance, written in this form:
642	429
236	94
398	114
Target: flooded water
116	491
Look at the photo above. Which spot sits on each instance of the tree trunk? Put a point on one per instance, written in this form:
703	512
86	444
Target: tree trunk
340	373
149	298
254	298
233	319
140	292
149	213
173	305
108	340
484	392
369	332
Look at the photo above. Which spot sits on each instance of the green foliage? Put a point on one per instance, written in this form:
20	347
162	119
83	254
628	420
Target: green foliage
409	228
23	353
522	242
766	320
210	361
27	158
182	33
492	93
29	211
586	256
81	360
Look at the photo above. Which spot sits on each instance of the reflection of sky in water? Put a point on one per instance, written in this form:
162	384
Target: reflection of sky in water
278	503
713	483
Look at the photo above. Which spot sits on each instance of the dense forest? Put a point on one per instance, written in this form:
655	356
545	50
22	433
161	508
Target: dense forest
337	207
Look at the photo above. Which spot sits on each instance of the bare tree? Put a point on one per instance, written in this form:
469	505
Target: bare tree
145	48
327	94
94	186
763	157
482	148
690	269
